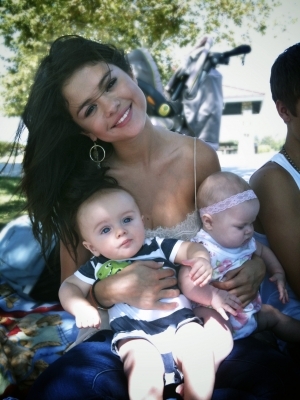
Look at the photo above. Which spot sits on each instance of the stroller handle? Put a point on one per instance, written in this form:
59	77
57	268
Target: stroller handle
243	49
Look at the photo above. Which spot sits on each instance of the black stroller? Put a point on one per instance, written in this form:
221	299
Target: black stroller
192	102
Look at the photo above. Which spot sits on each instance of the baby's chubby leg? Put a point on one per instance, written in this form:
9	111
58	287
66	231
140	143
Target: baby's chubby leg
196	361
218	333
144	369
284	327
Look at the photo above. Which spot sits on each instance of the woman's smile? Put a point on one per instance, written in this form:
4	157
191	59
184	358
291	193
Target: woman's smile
124	119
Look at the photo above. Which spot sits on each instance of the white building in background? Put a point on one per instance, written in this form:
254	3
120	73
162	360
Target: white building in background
240	120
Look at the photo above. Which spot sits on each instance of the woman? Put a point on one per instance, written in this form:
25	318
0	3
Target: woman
84	94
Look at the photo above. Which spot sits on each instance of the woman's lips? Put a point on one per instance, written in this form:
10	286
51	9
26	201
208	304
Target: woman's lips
123	120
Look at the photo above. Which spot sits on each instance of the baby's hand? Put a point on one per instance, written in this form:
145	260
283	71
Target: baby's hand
87	317
279	279
201	270
224	301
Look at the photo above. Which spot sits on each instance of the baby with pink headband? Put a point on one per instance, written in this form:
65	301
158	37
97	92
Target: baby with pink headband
228	208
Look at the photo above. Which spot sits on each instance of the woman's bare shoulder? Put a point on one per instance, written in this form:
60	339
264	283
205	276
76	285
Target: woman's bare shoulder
206	158
188	144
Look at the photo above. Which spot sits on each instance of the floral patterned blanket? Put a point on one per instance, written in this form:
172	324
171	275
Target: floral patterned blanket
32	335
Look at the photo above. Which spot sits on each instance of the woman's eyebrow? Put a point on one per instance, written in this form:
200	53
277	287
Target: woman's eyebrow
101	87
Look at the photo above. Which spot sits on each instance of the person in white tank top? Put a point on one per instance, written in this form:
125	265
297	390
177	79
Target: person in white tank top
277	185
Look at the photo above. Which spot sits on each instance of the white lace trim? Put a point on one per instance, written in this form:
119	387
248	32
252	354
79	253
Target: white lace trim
228	203
185	230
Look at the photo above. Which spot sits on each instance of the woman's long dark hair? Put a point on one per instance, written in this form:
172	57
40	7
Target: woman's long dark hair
56	148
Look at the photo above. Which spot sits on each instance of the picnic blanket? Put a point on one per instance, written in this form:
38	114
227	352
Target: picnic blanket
32	335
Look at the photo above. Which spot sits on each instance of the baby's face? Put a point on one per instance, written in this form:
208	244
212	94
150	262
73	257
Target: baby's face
112	226
234	227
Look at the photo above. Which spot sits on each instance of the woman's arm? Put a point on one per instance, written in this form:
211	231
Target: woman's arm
141	284
279	217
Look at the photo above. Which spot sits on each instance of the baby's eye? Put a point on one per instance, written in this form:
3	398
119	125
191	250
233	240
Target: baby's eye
127	220
89	110
105	230
110	84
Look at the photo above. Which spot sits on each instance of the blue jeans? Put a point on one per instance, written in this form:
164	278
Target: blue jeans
253	370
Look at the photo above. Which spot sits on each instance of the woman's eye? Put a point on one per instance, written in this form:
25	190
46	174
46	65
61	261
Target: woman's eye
127	220
89	110
105	230
110	84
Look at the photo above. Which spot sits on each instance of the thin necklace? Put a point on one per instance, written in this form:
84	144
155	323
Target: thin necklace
283	151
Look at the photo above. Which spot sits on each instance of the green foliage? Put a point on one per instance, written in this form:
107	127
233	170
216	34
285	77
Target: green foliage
28	26
229	147
11	203
271	142
6	147
264	148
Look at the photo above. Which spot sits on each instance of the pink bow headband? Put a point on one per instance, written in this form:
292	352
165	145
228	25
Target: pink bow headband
228	203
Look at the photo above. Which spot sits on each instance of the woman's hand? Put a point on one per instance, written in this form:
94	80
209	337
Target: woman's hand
244	282
142	284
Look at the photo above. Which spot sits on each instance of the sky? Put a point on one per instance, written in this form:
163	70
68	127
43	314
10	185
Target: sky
253	75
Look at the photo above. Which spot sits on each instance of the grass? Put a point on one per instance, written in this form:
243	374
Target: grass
11	203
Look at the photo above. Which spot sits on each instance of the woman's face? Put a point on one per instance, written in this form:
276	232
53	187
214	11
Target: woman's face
106	102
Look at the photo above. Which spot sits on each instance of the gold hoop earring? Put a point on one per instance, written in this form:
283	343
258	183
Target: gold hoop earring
94	154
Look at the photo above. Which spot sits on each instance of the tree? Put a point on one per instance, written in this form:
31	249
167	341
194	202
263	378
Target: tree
28	27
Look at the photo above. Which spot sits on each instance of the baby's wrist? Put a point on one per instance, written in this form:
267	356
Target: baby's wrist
203	256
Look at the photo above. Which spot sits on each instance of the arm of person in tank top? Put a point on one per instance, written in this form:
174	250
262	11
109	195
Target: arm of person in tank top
275	270
142	284
279	217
